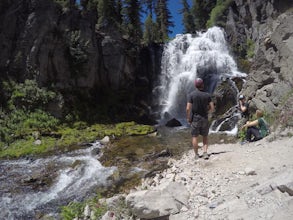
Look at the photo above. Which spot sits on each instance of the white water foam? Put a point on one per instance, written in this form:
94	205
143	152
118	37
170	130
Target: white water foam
187	57
71	182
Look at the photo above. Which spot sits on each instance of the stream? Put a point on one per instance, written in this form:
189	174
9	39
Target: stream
34	187
30	186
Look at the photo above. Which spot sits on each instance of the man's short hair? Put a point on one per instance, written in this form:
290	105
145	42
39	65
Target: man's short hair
198	83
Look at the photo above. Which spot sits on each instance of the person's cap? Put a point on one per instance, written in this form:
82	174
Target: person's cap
241	97
198	83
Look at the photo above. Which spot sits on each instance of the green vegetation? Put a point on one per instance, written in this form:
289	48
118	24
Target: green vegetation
244	65
188	19
72	210
28	129
65	138
201	11
250	48
75	209
78	54
25	111
150	34
218	13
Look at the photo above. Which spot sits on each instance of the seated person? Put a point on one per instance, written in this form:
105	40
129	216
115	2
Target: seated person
256	129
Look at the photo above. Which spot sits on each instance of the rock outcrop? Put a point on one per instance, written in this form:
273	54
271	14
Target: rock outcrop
62	49
269	26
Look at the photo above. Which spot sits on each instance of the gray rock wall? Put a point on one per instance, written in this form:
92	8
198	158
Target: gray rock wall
62	48
269	24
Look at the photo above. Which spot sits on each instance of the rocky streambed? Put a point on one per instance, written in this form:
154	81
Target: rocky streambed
33	187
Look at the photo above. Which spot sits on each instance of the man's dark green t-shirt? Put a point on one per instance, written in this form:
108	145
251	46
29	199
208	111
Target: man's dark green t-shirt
200	102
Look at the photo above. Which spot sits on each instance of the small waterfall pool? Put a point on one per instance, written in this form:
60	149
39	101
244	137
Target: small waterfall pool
43	185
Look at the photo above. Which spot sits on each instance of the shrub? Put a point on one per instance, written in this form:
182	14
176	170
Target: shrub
250	48
28	95
217	14
74	209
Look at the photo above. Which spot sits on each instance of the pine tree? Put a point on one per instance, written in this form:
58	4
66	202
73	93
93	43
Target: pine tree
188	20
131	19
119	6
151	31
201	10
163	20
106	13
150	5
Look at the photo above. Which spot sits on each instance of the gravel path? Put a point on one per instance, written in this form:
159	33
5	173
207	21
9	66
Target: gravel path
250	181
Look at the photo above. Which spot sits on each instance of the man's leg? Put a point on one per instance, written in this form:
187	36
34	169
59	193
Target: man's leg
205	147
205	143
205	132
195	144
194	134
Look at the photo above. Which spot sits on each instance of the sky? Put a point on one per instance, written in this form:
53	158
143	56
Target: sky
174	7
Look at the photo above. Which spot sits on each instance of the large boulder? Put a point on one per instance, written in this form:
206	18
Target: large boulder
161	201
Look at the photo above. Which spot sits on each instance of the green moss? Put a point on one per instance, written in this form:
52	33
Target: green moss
66	138
27	147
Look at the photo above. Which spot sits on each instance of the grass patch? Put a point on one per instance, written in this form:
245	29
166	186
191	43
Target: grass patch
75	209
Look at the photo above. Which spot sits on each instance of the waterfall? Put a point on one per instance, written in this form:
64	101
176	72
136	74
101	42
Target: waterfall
205	55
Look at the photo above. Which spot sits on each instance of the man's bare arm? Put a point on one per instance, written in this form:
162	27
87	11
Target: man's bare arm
188	111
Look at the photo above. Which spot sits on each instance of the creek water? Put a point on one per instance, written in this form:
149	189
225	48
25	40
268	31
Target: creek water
30	186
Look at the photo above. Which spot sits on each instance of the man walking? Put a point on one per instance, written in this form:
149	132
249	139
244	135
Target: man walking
199	104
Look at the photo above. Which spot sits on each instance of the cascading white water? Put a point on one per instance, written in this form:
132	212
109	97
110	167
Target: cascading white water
73	182
187	57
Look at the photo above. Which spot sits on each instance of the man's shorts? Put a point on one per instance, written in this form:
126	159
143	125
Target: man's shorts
199	126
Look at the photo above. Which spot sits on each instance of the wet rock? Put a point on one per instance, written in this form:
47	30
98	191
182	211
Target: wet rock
95	151
76	164
173	123
38	142
105	140
87	211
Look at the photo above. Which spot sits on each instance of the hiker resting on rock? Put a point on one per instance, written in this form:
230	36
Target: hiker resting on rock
256	129
199	104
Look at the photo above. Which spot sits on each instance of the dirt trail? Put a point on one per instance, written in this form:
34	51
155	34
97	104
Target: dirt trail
250	181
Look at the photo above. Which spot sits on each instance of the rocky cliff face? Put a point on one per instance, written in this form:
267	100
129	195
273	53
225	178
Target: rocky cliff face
269	24
62	49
